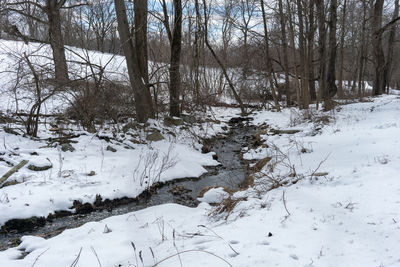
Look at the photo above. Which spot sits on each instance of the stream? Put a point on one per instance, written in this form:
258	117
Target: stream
230	174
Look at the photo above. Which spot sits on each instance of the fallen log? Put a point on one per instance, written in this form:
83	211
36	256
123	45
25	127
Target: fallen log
280	131
12	171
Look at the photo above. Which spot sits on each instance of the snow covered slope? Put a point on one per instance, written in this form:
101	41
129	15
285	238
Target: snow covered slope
350	216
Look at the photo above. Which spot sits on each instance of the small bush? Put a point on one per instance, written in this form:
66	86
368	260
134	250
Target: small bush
93	104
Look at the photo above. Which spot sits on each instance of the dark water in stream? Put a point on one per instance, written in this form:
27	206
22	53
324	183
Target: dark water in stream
231	173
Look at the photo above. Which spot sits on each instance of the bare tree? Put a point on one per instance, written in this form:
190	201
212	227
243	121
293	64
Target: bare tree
321	45
140	32
101	20
269	67
52	9
342	35
310	50
175	40
330	88
143	99
292	43
303	58
247	9
379	57
282	20
363	48
390	49
222	66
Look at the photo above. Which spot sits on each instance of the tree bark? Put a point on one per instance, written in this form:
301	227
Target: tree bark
310	51
379	57
143	100
303	68
140	9
362	57
292	43
174	74
269	67
285	52
196	60
52	10
340	87
390	48
331	89
321	46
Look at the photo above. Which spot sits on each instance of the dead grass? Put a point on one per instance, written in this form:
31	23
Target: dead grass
227	206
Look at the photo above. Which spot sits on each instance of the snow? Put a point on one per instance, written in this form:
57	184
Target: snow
343	209
349	217
214	195
117	174
126	173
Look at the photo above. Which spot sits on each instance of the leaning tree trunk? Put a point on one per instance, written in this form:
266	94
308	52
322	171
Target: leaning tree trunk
174	74
56	42
224	71
143	101
331	89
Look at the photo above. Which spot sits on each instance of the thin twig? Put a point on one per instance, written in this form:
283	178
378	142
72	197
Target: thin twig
284	202
97	257
176	248
134	249
192	250
237	253
76	260
319	165
33	264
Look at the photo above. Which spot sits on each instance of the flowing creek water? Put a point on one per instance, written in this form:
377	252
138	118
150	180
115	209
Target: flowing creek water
230	174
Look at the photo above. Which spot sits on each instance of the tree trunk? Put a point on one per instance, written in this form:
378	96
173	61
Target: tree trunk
303	68
285	52
310	51
331	89
174	74
292	43
388	64
340	87
140	9
321	46
268	58
379	57
143	101
362	52
52	10
197	46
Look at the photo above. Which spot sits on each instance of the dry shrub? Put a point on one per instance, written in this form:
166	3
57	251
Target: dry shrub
93	104
227	206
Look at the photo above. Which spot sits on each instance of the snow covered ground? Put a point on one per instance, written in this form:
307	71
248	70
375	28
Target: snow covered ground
344	210
93	167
